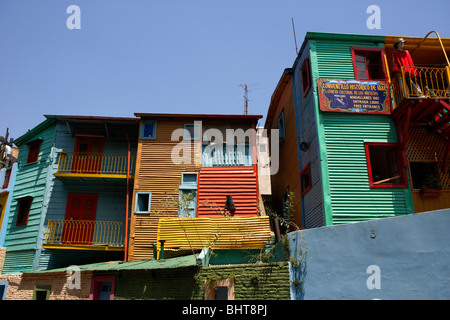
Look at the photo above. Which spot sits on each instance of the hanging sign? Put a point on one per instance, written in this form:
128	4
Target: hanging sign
354	96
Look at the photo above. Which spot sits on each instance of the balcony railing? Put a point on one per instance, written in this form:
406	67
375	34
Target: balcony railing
85	233
227	157
94	163
421	82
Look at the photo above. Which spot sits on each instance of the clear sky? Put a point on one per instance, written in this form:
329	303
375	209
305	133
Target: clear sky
170	56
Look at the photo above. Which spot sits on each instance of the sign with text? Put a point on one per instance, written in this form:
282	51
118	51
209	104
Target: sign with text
354	96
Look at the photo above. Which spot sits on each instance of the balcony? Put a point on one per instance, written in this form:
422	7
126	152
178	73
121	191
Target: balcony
85	235
95	165
215	156
429	82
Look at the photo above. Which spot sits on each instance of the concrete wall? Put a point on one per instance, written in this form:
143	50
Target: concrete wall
405	257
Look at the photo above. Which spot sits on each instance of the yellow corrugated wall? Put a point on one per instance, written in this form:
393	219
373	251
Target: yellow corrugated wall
216	233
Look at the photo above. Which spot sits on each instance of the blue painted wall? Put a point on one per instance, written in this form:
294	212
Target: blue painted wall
412	253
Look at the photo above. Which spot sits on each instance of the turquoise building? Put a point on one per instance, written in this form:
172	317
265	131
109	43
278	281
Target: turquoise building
69	201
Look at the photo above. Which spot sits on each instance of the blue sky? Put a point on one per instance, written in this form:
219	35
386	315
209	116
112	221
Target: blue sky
170	56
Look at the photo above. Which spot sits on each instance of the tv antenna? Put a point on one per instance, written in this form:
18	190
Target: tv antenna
245	87
295	39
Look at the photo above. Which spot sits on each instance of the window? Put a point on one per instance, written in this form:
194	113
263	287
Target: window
41	292
384	166
33	151
142	202
24	211
368	63
187	195
102	288
425	175
221	290
305	179
191	132
281	127
148	129
306	82
3	289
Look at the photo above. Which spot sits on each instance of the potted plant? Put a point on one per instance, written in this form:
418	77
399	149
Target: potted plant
431	187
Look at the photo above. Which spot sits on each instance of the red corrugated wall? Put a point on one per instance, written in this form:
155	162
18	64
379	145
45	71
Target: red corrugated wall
215	183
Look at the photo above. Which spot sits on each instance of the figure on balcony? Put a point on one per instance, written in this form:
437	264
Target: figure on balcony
402	58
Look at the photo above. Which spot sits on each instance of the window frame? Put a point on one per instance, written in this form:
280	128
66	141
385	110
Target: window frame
196	136
210	288
138	193
404	183
371	50
142	130
97	281
42	288
23	213
34	148
306	77
305	170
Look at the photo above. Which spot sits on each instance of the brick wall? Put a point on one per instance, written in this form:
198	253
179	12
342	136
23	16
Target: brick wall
21	286
251	281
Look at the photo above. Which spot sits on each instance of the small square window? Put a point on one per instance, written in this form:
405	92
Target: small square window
191	132
305	179
148	129
368	63
143	202
33	151
188	178
41	292
306	82
24	211
384	166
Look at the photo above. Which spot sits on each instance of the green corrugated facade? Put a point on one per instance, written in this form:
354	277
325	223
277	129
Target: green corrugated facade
23	241
347	196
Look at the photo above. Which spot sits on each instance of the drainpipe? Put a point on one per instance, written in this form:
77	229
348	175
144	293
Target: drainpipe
155	251
128	196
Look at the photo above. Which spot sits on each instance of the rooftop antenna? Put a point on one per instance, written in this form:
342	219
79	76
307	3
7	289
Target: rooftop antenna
295	39
245	98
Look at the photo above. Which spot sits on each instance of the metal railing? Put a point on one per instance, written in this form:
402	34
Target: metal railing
416	82
239	155
94	163
85	232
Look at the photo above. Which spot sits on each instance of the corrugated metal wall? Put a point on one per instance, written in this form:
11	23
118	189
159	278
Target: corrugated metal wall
351	197
157	173
216	183
216	233
334	58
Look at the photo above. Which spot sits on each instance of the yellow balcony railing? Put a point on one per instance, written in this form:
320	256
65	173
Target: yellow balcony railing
421	82
84	233
94	163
